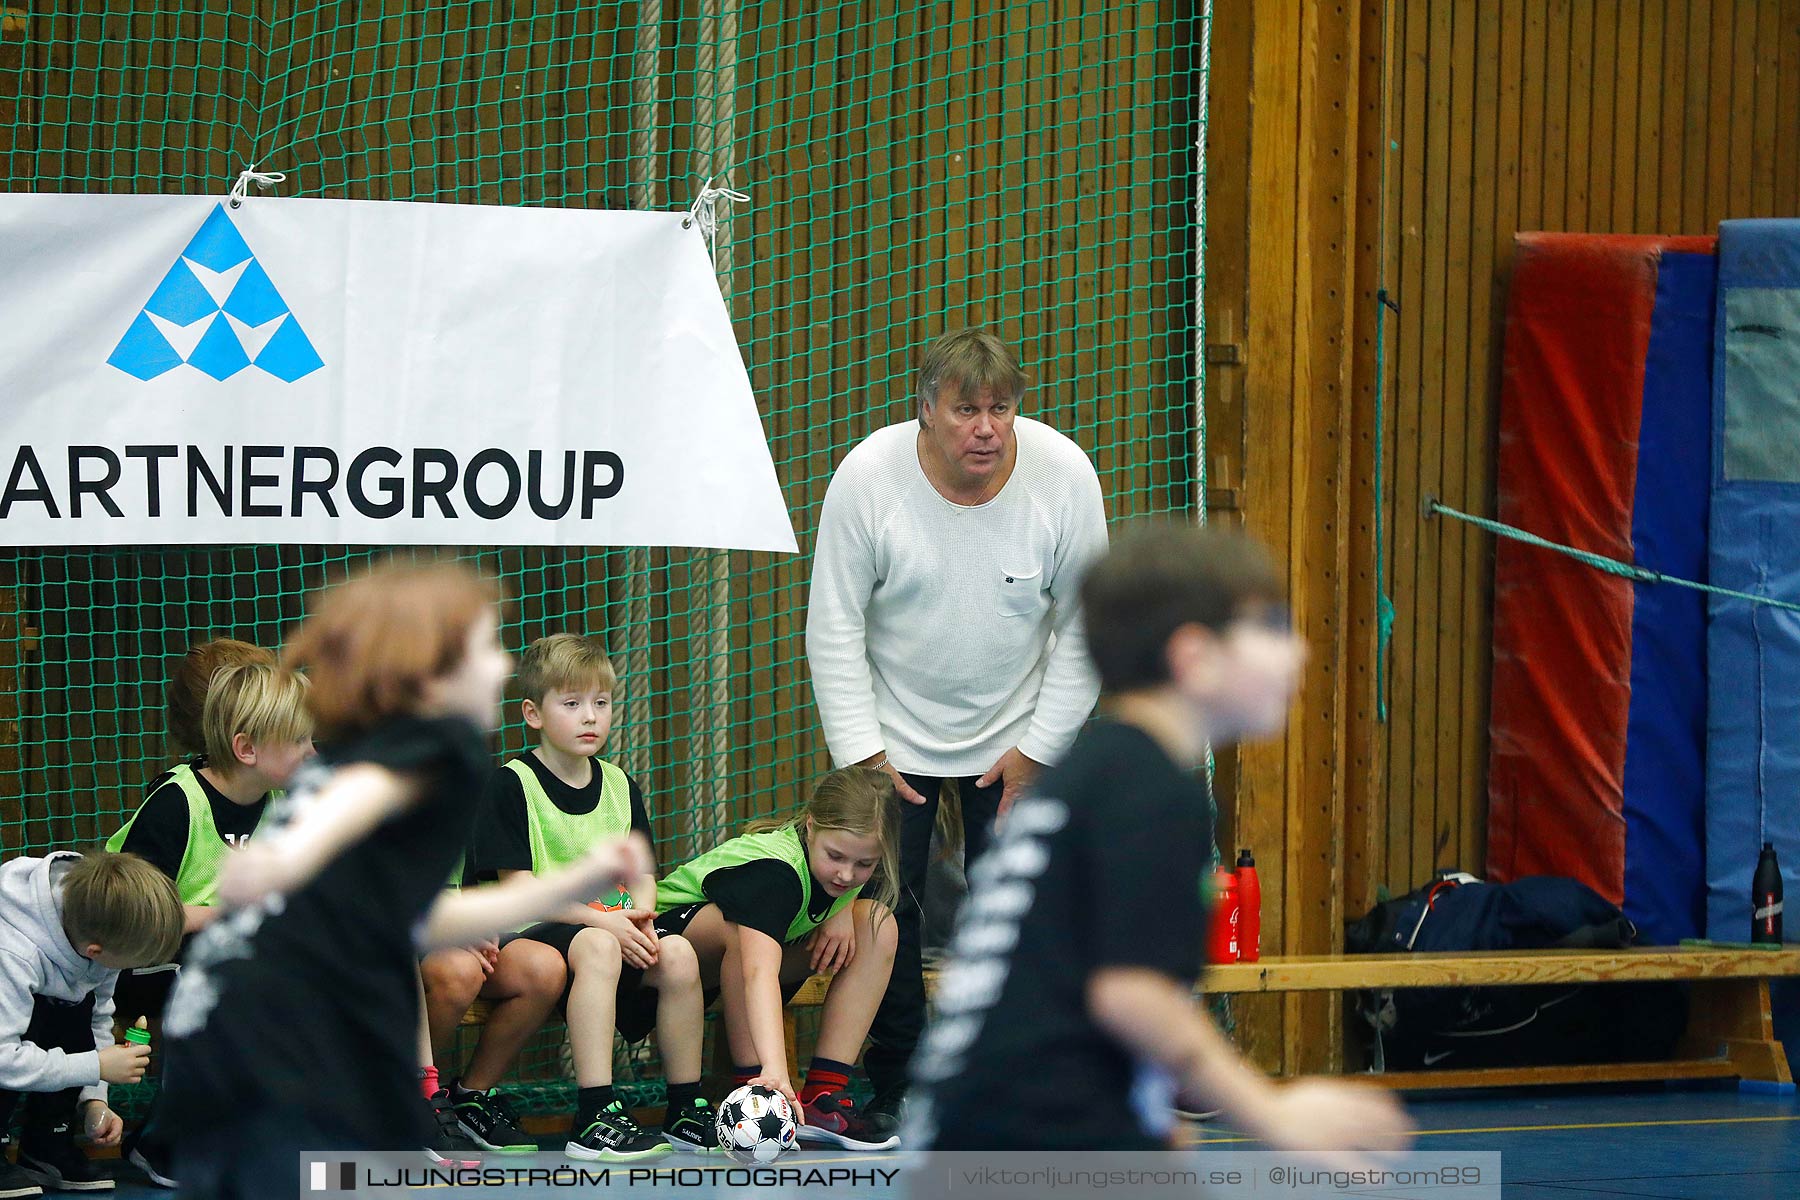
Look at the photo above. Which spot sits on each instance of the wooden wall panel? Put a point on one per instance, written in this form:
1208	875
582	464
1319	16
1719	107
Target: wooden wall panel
1649	116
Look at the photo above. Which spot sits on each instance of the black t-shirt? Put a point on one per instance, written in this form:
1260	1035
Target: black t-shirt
309	1002
159	832
1102	867
502	837
764	895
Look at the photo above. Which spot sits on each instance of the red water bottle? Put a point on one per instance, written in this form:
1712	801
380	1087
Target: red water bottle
1222	942
1250	908
1765	899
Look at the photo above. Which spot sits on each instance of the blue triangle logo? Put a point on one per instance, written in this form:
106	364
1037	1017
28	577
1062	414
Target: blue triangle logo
217	311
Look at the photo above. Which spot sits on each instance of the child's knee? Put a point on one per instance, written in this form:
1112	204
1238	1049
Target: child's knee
594	950
884	935
538	969
676	961
451	975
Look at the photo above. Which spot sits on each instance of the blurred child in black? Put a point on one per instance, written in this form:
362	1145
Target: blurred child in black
1066	1020
293	1025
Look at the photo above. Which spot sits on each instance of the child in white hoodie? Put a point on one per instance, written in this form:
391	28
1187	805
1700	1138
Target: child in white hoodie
68	924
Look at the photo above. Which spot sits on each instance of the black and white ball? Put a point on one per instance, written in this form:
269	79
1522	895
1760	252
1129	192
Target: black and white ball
756	1124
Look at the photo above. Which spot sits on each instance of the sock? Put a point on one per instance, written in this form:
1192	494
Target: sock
681	1098
428	1081
590	1102
742	1075
824	1075
459	1093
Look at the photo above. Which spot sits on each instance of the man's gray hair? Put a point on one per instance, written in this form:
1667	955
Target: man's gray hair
973	359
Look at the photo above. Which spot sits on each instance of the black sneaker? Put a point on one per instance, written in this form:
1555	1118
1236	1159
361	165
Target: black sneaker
51	1157
152	1159
14	1182
489	1120
613	1136
449	1144
890	1104
695	1129
832	1119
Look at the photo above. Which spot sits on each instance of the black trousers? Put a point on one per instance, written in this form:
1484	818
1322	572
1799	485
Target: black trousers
55	1025
901	1018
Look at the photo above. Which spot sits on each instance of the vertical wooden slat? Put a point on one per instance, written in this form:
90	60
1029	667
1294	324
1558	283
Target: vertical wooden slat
1404	802
1599	89
1582	161
1787	99
1722	114
1086	262
1734	94
1487	243
1137	220
1263	776
1556	114
1458	390
1652	117
1673	128
1429	303
1317	811
1762	149
1532	91
1365	745
1626	114
956	158
1696	130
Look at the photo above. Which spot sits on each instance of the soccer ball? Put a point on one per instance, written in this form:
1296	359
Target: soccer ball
756	1124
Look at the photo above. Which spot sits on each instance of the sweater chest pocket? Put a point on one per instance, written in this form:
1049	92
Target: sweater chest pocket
1019	593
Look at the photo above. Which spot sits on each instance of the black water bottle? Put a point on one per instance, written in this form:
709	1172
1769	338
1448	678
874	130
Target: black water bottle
1765	898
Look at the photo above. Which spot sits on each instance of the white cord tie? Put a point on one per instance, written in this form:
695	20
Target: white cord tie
705	207
264	180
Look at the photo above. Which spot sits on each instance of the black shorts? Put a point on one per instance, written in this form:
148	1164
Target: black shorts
634	1012
676	920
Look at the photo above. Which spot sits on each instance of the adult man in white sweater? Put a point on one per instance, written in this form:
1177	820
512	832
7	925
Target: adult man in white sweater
943	630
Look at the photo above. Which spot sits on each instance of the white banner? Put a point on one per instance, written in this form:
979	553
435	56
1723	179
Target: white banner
173	370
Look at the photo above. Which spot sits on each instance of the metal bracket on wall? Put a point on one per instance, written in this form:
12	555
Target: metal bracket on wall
1224	354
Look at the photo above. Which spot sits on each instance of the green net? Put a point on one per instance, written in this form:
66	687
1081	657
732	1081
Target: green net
1028	166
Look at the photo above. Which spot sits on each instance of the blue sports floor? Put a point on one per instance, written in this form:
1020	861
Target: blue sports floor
1711	1144
1691	1144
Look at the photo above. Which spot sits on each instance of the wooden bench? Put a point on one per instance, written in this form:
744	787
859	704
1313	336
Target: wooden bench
1730	1030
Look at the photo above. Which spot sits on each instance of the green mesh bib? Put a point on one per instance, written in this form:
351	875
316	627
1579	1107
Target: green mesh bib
686	884
198	880
559	839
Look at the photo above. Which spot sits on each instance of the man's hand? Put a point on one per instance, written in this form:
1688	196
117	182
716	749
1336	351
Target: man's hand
833	944
101	1123
1017	772
880	762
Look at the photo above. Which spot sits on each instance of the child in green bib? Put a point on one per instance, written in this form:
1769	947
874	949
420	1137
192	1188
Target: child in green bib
254	734
243	723
767	909
542	810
